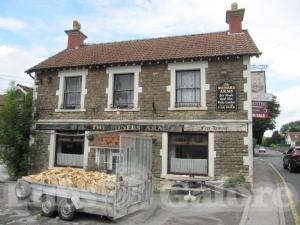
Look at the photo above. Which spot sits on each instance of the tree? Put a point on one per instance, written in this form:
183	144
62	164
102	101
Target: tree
291	126
261	125
15	125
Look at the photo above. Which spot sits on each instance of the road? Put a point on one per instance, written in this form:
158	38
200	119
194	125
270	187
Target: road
292	179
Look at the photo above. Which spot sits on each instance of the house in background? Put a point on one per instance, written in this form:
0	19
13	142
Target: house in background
293	138
191	94
2	100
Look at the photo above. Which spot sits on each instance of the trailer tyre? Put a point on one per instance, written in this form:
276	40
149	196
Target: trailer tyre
22	189
48	205
66	209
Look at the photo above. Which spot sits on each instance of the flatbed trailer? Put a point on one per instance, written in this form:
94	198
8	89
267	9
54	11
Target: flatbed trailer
132	192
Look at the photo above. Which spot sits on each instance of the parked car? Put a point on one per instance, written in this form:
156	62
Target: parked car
291	159
262	149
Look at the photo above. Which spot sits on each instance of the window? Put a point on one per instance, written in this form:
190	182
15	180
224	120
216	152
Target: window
188	86
69	150
188	154
72	93
123	90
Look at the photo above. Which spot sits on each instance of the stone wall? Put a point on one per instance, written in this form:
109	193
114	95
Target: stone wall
230	150
153	79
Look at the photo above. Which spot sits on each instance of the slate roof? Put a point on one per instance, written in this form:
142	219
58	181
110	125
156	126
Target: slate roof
166	48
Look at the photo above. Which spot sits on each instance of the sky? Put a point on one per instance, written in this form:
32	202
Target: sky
33	30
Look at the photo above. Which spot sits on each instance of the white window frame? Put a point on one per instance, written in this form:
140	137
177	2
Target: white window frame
109	91
60	92
173	67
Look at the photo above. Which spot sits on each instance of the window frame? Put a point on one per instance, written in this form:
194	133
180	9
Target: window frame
129	105
181	66
187	104
69	106
111	71
60	92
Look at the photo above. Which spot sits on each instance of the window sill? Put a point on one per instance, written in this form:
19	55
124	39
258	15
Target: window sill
121	110
202	108
69	110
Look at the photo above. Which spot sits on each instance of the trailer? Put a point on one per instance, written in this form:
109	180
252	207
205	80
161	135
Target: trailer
132	192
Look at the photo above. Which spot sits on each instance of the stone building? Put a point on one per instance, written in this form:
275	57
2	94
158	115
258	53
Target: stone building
191	94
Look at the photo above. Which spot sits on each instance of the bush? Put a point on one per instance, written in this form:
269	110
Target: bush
15	125
273	146
234	181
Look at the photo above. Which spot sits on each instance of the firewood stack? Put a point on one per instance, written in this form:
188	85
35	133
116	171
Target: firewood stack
76	178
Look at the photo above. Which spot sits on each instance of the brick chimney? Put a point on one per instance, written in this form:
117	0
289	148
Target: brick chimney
234	18
75	36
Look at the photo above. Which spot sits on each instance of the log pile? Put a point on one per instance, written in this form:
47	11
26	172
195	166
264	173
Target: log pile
76	178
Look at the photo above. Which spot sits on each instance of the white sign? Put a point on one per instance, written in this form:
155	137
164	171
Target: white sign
262	97
258	81
217	127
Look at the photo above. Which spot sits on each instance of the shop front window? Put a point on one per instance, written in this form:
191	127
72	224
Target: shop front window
188	154
69	149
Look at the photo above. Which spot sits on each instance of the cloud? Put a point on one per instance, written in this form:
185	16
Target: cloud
14	61
289	105
12	24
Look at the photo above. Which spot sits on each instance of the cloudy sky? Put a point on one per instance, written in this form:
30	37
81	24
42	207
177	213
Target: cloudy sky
32	30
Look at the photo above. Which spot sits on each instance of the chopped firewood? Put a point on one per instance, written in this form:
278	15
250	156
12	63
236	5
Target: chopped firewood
76	178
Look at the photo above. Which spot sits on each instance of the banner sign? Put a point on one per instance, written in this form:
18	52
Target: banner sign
226	97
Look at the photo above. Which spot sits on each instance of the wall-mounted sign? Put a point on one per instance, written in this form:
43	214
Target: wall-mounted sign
258	82
226	97
262	97
234	127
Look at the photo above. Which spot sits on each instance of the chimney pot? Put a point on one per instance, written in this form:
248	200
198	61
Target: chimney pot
75	36
76	25
234	6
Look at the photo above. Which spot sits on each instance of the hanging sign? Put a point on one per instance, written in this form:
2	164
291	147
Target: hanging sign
226	97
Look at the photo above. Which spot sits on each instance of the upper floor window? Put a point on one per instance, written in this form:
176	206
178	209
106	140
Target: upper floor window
123	91
123	88
188	86
72	93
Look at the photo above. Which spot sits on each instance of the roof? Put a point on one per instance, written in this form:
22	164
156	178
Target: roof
166	48
2	99
295	136
24	89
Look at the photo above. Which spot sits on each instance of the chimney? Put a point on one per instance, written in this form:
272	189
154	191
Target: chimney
234	18
75	36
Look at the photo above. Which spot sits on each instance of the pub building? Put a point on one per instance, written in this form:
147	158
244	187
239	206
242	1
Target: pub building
191	94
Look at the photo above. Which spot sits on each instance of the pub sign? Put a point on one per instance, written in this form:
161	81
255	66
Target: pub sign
226	96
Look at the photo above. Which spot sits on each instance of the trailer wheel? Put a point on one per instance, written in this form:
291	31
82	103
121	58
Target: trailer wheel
66	209
48	205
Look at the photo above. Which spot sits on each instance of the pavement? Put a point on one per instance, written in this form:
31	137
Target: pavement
266	206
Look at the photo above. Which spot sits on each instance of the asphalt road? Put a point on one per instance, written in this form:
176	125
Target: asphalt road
292	179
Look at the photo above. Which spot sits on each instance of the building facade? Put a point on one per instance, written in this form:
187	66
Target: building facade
190	94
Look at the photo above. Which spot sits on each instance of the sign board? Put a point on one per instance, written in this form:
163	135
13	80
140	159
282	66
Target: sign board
226	97
217	127
258	82
263	97
260	110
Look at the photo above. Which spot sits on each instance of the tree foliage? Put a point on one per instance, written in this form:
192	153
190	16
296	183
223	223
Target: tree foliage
15	125
261	125
291	126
